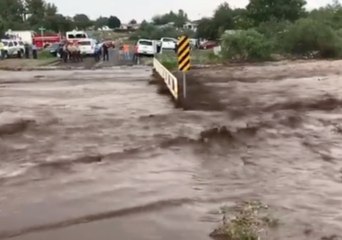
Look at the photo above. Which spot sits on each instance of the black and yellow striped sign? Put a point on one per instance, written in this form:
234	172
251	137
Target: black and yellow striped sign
183	52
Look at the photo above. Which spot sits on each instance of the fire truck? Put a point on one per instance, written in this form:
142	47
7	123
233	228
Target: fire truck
42	41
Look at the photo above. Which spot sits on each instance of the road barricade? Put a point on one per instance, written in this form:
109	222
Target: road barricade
169	79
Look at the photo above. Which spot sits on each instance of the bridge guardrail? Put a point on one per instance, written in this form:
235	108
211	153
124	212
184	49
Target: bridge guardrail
169	79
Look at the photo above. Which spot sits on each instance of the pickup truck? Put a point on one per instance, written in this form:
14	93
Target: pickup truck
168	43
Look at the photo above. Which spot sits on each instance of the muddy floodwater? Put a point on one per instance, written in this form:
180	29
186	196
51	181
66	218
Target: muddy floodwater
99	154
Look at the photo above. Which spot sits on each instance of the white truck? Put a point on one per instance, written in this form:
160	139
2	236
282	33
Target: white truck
76	35
24	36
168	43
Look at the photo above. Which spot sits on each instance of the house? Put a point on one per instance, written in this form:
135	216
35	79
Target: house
128	26
191	26
167	25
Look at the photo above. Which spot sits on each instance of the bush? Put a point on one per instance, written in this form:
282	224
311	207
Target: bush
274	31
309	36
246	45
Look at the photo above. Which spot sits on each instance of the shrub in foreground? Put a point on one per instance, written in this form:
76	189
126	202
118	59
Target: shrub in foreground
246	45
311	37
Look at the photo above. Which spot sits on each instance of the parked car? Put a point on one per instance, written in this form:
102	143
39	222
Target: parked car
146	47
168	43
12	48
208	45
54	49
87	46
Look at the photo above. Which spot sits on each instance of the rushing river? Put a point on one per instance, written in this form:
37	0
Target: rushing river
101	155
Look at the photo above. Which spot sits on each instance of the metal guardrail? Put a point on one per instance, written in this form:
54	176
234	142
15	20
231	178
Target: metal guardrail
169	79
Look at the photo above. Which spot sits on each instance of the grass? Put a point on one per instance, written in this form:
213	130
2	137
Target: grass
45	55
198	57
108	34
247	221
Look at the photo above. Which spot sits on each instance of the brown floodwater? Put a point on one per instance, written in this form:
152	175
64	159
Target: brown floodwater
99	154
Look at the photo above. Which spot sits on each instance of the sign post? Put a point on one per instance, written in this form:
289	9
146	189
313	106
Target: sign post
42	29
183	54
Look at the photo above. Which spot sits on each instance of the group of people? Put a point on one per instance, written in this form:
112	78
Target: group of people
102	49
71	50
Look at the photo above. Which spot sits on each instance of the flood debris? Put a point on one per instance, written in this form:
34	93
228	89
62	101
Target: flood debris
246	221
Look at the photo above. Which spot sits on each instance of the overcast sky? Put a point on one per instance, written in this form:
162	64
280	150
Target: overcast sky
146	9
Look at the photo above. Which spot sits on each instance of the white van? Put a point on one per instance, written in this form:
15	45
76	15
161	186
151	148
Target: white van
87	46
146	47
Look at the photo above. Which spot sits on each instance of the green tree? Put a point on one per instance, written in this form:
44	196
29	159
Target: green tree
133	21
82	21
59	23
12	13
101	22
223	18
178	19
36	10
50	9
206	29
330	15
181	18
114	22
266	10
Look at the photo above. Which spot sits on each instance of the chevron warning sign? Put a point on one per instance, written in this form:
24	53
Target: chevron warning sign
183	52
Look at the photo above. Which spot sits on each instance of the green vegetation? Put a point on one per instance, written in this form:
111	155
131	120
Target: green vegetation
45	55
246	45
198	57
248	221
258	32
255	33
33	14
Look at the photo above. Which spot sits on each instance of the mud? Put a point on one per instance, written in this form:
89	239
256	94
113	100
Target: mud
99	154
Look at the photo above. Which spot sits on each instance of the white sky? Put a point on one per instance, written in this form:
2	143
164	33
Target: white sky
146	9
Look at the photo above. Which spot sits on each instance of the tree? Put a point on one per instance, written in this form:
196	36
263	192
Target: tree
206	29
11	12
266	10
114	22
36	10
133	21
50	9
59	23
82	21
223	18
178	19
101	22
181	18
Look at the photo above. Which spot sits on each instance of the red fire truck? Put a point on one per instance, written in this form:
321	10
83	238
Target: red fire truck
42	41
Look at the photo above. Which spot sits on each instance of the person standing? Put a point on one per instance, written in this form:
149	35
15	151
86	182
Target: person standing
126	52
2	51
105	52
34	51
97	54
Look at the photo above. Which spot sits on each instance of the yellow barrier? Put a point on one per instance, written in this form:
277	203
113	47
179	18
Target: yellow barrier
169	79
